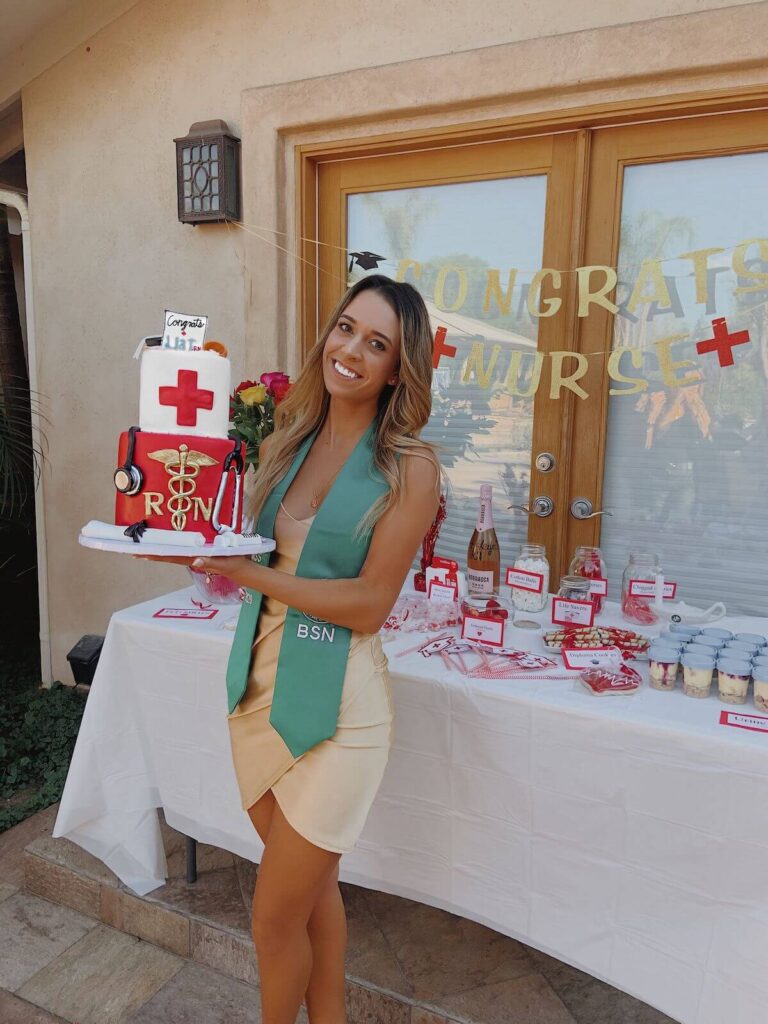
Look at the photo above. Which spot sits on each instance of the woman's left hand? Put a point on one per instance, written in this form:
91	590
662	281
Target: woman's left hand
237	568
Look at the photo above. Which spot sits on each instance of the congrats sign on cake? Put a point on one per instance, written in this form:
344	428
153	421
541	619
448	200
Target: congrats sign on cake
179	475
183	331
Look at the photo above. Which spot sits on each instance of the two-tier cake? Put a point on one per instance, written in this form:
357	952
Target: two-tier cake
179	475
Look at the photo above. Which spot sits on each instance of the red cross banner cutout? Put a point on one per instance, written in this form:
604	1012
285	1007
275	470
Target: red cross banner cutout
439	348
723	342
187	398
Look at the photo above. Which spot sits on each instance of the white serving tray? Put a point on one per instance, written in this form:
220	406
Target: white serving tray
256	546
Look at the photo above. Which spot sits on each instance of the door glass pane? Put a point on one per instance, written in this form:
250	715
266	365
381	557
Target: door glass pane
685	467
466	241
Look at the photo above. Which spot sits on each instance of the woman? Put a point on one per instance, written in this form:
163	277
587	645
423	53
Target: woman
346	487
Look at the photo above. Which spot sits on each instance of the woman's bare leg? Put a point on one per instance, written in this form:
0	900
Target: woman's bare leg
292	876
327	929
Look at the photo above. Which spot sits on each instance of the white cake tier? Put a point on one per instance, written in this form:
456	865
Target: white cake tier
184	392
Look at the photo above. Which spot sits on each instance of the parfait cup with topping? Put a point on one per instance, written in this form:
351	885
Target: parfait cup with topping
664	662
760	677
697	673
733	680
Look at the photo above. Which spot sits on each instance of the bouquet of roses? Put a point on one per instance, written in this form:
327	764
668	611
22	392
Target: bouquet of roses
252	411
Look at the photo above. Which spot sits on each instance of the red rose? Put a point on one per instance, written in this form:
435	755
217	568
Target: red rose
245	384
277	383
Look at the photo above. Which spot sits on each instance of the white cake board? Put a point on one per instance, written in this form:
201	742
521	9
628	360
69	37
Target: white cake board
129	547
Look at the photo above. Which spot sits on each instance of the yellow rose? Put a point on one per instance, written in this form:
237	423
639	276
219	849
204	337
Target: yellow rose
254	395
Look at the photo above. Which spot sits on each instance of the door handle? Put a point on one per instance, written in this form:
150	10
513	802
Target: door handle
542	507
582	508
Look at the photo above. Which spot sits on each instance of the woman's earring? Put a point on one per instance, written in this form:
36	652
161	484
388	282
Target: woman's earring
392	382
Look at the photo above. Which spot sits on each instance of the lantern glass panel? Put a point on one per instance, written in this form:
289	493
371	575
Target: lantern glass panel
201	178
214	152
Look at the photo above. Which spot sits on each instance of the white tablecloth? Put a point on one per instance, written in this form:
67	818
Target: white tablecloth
627	836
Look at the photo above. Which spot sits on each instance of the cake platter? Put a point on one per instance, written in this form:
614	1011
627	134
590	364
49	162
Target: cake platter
109	537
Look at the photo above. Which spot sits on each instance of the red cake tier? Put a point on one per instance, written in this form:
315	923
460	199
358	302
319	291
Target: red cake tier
181	477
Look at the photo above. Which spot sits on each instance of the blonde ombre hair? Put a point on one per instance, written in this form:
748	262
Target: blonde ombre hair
403	412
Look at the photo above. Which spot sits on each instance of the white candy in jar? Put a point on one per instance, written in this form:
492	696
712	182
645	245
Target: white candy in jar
532	559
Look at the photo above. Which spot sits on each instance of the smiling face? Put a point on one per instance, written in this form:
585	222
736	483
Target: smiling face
362	352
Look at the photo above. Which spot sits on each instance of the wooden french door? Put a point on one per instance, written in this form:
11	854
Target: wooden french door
457	220
470	226
681	209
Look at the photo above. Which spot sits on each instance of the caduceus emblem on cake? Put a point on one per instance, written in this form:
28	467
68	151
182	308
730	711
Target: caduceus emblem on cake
183	466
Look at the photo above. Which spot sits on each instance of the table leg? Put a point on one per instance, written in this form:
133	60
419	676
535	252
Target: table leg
191	859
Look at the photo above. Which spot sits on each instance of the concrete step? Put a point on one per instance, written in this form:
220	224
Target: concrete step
407	963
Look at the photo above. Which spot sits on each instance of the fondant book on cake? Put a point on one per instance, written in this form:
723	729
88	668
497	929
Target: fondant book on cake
179	476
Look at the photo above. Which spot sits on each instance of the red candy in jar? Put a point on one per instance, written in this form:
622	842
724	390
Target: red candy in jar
588	563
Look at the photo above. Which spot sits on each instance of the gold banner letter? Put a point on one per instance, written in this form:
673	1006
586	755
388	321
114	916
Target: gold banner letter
614	372
668	366
560	381
551	304
587	296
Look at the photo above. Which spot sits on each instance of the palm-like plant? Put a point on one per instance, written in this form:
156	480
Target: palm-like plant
21	457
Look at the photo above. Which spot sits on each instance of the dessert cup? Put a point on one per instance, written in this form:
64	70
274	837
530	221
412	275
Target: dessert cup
733	681
697	674
760	676
663	666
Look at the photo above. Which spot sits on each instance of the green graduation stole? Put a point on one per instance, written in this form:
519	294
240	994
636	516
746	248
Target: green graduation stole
313	653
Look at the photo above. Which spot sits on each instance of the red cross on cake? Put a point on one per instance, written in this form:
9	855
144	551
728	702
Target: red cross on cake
184	392
187	397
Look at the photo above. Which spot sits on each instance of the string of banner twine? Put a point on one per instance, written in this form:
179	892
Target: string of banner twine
521	270
440	319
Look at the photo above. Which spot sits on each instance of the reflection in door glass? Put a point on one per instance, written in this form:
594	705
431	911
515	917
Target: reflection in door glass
686	463
472	250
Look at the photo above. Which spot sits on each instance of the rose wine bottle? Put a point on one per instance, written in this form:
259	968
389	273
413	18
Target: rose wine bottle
483	555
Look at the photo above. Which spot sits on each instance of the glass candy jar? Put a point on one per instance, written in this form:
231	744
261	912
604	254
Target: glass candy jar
588	562
642	565
574	588
532	561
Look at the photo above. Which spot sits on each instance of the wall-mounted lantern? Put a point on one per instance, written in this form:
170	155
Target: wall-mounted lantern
208	173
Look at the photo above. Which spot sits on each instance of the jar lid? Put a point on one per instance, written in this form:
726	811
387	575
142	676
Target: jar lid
643	557
732	667
533	549
696	660
753	638
574	583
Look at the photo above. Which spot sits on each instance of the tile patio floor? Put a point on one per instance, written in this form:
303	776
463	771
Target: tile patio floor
407	963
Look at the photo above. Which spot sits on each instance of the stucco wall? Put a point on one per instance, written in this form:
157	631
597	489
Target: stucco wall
109	254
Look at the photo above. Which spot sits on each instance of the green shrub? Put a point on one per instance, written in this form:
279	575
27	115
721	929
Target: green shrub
38	729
